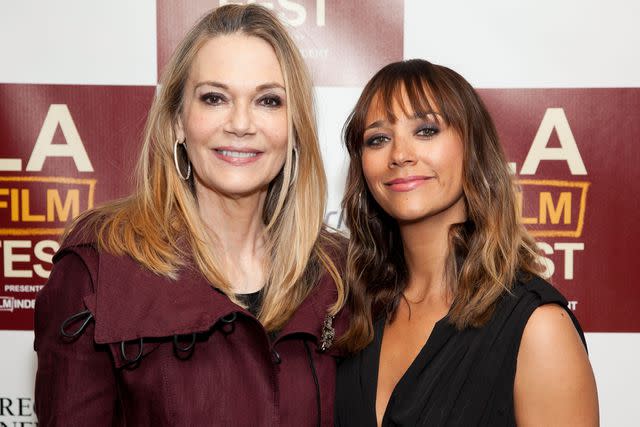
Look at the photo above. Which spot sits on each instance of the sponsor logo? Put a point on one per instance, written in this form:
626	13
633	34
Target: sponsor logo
10	303
554	208
42	205
17	411
559	206
6	303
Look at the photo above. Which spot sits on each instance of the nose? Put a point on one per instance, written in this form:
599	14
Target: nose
240	122
402	154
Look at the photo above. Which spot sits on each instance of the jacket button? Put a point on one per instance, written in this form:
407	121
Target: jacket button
228	323
276	357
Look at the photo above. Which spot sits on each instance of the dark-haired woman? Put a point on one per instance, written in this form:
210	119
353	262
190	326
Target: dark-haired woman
445	279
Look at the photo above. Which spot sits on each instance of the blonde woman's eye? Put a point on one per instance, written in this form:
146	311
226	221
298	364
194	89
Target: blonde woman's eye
272	101
212	98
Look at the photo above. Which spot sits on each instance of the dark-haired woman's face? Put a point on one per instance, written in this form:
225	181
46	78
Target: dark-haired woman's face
413	166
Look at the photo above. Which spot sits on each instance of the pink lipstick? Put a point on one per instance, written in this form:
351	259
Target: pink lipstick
406	183
237	156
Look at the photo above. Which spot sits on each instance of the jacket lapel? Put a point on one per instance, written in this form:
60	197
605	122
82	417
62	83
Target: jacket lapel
311	316
130	302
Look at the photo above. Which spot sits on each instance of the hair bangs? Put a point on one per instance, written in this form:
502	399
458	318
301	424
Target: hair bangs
423	104
407	91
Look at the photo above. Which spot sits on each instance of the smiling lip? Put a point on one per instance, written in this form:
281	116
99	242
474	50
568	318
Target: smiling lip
237	156
406	184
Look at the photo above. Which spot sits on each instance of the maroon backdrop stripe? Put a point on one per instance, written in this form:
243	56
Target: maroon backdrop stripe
573	150
63	149
590	219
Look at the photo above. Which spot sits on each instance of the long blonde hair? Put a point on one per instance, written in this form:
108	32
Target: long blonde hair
485	253
159	225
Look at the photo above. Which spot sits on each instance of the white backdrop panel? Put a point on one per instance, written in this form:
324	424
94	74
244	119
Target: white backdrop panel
333	105
528	44
17	376
78	42
614	358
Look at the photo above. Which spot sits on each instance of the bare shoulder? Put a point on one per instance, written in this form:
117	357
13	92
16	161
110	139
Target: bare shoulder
553	372
550	324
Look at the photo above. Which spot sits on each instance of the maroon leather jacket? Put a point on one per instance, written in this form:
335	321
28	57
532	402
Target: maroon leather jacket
148	351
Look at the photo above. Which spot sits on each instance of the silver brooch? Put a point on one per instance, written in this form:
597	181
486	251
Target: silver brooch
328	333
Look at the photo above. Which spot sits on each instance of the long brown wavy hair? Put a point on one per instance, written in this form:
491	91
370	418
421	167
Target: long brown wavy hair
485	252
159	225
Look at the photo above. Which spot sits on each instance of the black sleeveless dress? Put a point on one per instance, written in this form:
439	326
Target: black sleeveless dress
459	378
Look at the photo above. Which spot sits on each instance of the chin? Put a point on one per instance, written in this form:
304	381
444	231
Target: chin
406	215
235	188
244	190
447	213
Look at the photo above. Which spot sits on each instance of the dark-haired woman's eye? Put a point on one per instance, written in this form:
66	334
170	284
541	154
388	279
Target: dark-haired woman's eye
428	131
272	101
376	141
212	98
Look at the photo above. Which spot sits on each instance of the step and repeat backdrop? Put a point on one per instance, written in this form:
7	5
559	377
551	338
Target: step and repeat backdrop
561	79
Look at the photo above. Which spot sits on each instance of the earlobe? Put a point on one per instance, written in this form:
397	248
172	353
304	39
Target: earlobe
178	129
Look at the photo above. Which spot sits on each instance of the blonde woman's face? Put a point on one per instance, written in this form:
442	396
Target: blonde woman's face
234	116
413	166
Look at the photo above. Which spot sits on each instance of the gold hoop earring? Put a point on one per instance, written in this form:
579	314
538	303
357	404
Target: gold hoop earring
184	177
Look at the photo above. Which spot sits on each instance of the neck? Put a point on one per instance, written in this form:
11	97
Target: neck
426	249
237	230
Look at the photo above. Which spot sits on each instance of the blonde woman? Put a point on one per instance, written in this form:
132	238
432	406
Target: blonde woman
209	296
444	277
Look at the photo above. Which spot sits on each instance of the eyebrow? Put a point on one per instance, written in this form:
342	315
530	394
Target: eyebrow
211	83
264	86
379	123
269	86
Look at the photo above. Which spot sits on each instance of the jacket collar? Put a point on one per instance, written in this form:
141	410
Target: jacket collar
130	302
313	313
